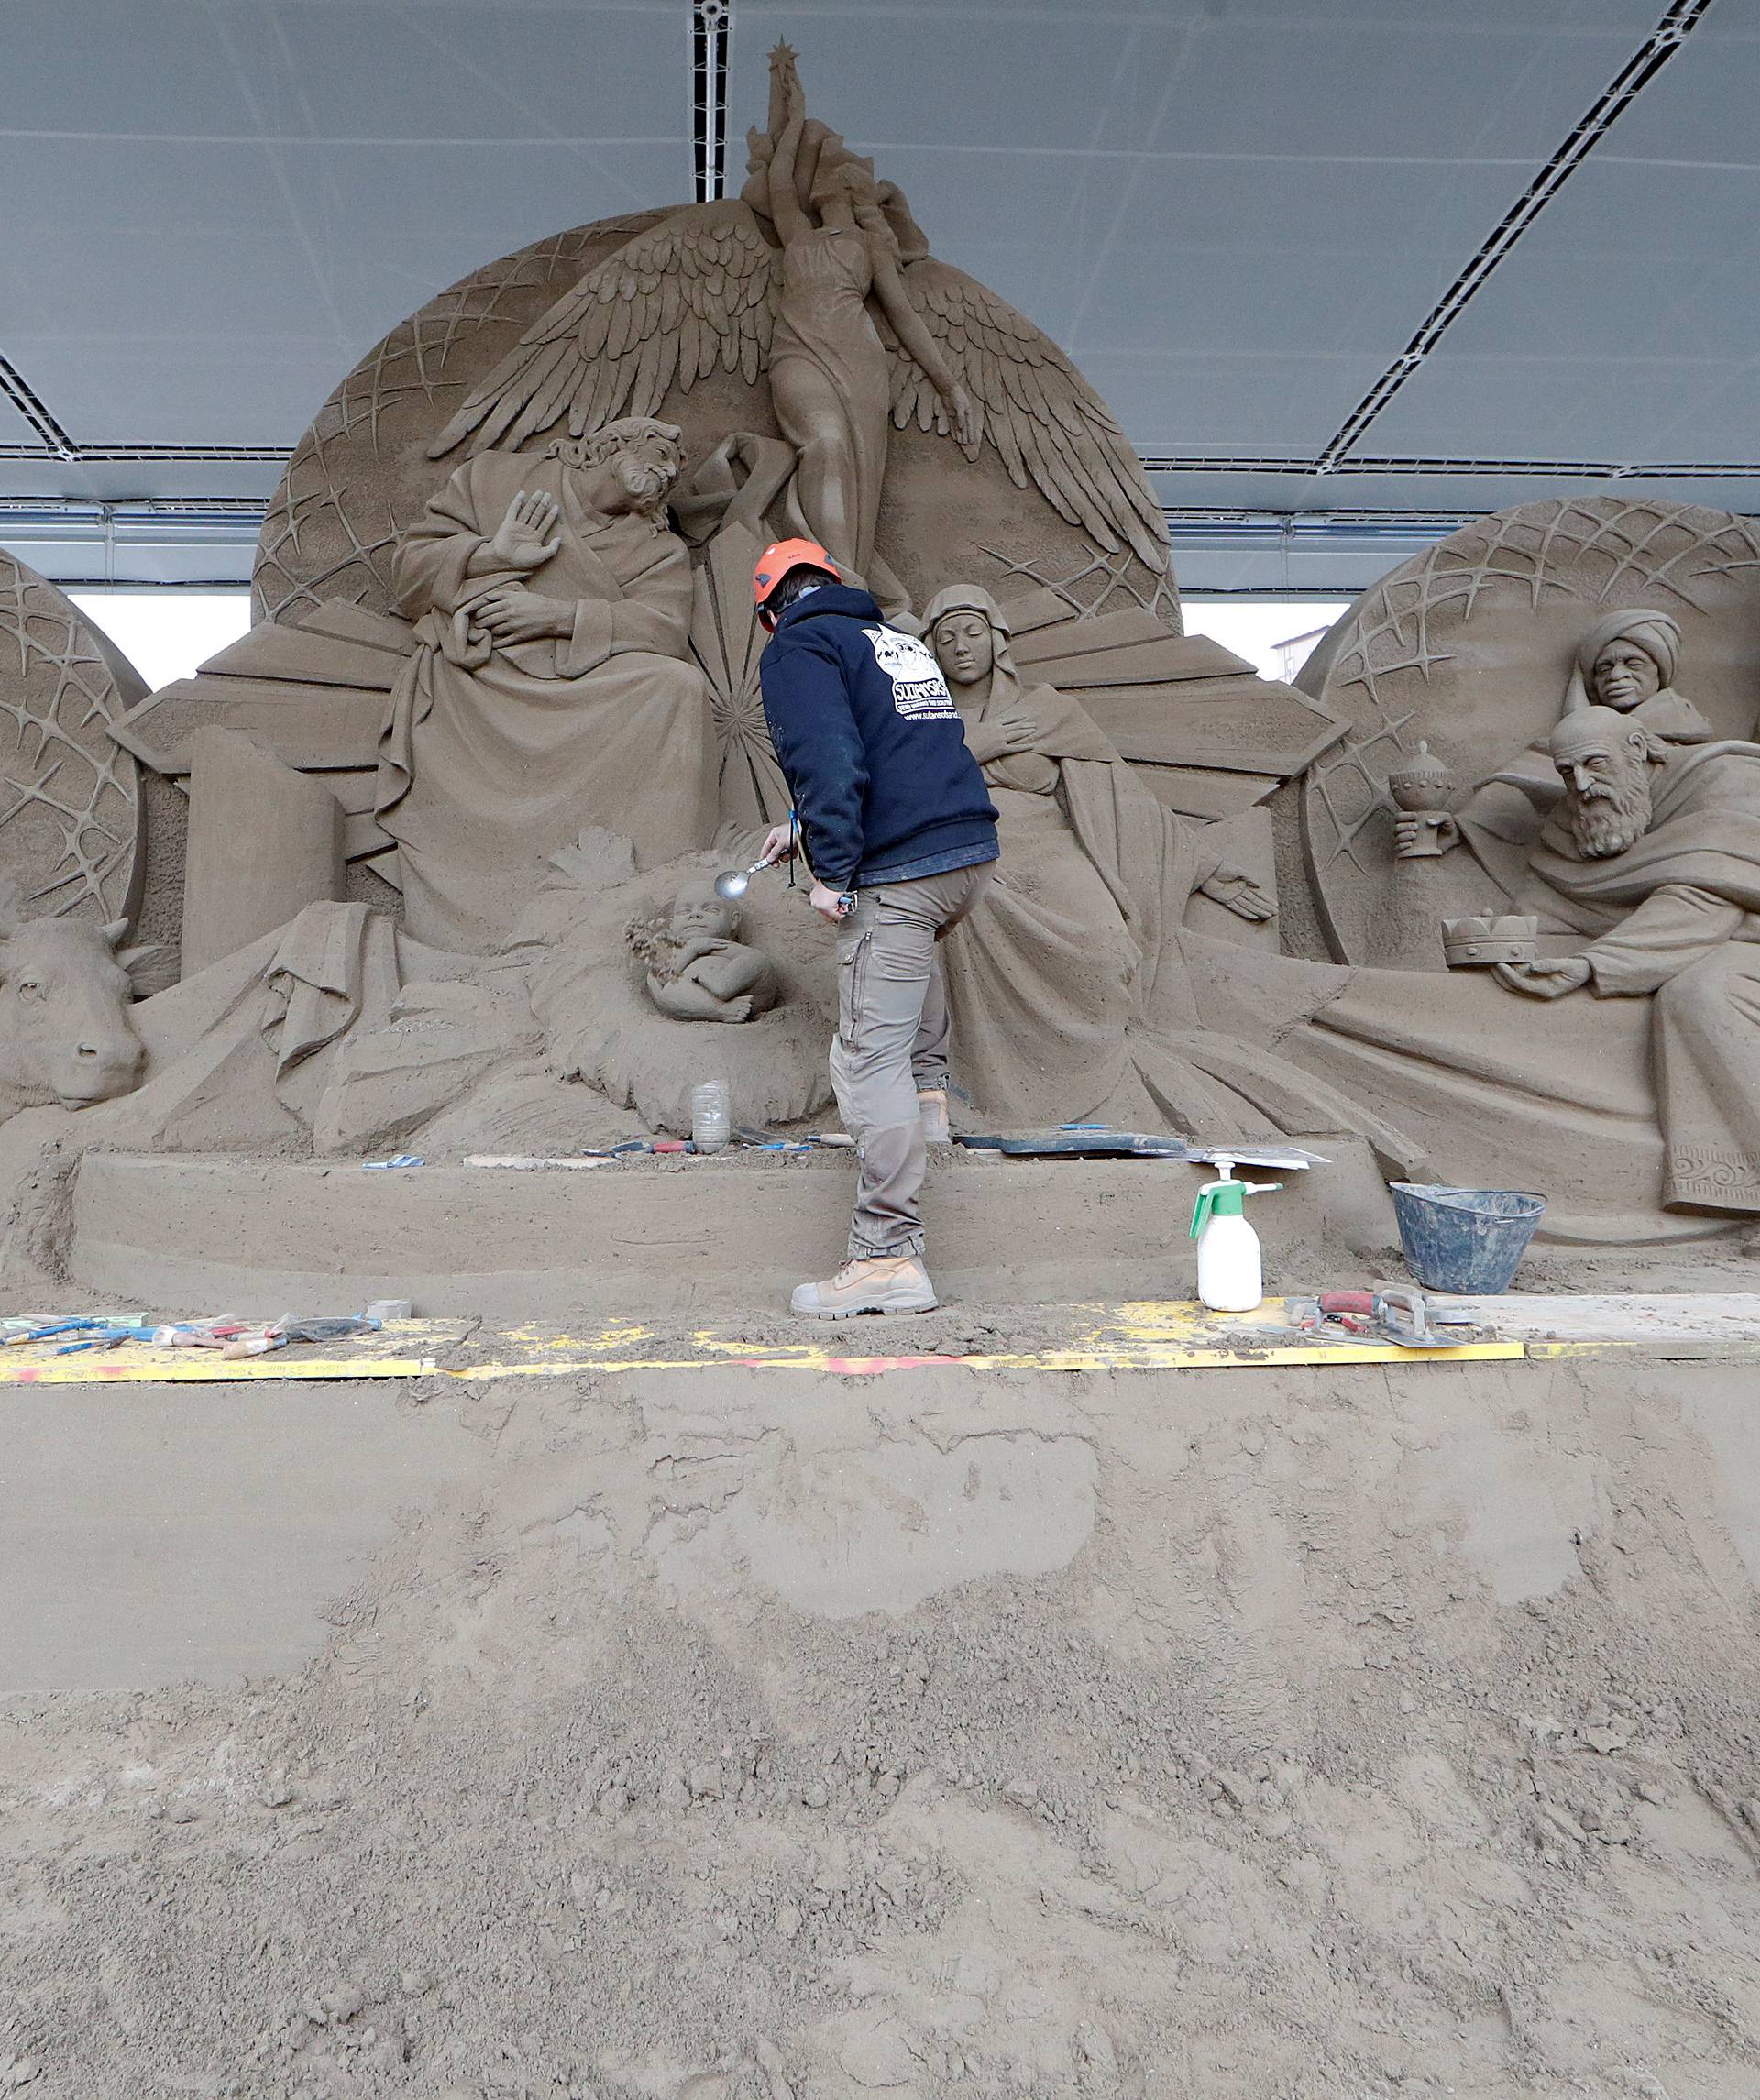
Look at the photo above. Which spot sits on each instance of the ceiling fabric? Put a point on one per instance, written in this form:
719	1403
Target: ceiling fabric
1237	215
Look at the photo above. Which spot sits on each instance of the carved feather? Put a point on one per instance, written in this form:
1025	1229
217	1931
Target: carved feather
697	290
1049	427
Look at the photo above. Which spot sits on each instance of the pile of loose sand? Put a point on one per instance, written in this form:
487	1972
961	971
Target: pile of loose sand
1212	1736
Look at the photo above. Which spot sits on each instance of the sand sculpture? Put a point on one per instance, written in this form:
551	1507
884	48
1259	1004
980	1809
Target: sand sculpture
454	803
70	796
1051	985
550	686
698	968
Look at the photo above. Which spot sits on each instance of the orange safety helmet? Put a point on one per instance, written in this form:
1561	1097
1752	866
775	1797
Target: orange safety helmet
782	556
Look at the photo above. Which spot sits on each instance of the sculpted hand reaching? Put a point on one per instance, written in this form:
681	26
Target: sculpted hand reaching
1549	978
962	418
1237	891
515	614
526	538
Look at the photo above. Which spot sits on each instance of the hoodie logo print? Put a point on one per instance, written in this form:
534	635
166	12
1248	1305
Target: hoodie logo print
919	690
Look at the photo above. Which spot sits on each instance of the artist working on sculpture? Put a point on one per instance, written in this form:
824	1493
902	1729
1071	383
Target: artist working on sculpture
900	837
550	688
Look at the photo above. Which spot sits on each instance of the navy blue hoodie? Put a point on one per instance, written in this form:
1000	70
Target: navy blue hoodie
871	746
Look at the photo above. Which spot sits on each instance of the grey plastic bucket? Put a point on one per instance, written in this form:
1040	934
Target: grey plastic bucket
1470	1240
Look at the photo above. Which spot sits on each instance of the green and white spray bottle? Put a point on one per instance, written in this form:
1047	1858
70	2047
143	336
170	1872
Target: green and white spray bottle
1230	1276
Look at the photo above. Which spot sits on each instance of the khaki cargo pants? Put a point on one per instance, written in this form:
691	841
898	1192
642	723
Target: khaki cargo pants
892	1038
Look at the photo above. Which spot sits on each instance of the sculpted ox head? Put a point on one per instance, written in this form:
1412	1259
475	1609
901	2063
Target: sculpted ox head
65	1031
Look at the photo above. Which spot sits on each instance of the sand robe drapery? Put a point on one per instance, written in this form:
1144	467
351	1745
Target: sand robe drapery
1070	987
497	757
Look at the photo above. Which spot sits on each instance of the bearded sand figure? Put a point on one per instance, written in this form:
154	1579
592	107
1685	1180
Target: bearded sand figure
549	688
1626	662
1645	882
1652	863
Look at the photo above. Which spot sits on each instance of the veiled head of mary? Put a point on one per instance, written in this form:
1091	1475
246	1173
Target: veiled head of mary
1625	660
969	633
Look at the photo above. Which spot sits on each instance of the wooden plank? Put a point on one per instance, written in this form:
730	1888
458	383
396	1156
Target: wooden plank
327	731
355	624
1179	655
1240	737
1247	690
1204	791
297	654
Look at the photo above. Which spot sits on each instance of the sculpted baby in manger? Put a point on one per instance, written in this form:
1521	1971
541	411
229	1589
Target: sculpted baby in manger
698	968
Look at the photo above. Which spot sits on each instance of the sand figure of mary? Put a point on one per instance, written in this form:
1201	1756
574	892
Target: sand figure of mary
550	689
1067	987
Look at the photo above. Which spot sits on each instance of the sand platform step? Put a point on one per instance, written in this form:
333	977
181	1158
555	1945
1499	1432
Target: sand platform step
690	1238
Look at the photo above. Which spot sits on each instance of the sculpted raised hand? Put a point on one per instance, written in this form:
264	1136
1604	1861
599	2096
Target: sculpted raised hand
526	537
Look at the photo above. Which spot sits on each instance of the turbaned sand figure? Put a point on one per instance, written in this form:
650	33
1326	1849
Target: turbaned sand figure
1625	661
792	279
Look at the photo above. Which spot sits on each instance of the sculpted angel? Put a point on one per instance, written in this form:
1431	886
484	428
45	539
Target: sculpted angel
818	276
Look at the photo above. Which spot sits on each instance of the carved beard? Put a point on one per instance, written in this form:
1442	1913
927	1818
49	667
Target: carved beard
1605	821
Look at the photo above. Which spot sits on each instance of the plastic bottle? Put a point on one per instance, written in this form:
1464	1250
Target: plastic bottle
1230	1275
710	1128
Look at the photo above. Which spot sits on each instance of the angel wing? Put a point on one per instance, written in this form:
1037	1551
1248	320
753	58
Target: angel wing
1041	415
698	289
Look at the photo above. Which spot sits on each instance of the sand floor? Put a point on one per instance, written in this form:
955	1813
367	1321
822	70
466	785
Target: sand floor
1217	1735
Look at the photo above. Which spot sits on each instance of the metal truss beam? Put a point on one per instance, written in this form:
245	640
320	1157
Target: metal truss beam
1677	23
711	31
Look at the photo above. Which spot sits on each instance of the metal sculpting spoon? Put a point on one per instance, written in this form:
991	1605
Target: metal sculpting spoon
733	883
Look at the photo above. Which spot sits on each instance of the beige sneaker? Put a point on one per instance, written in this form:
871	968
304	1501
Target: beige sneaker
931	1105
884	1283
